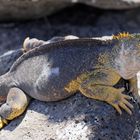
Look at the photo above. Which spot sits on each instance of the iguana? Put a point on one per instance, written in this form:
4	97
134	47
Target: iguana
55	71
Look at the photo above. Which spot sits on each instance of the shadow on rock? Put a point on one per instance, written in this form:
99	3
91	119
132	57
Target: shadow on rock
101	120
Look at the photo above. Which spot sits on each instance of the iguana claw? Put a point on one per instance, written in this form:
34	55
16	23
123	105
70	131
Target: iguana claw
2	122
120	101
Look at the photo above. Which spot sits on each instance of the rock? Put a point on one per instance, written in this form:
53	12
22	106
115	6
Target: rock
33	9
112	4
76	117
7	59
28	9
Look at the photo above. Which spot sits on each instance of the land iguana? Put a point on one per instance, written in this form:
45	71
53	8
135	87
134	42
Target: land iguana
55	71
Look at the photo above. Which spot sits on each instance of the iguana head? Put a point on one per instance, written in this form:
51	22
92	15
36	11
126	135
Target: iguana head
128	58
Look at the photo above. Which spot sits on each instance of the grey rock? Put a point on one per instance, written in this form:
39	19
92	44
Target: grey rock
28	9
7	59
33	9
112	4
75	118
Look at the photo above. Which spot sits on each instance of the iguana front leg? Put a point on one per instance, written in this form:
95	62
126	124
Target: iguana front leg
99	85
15	105
134	88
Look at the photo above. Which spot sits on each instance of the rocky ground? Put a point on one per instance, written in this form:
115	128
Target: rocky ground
76	118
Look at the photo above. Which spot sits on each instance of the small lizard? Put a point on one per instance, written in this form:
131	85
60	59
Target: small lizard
57	70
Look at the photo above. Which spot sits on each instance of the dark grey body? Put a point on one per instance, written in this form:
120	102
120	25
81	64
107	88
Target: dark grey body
43	72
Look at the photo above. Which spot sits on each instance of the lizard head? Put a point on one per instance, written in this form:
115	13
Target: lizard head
128	58
131	46
129	43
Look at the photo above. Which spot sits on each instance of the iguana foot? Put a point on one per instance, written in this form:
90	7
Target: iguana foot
134	88
3	122
15	105
30	44
119	100
136	94
99	85
111	95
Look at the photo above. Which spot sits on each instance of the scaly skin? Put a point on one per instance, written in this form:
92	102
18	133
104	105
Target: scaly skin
55	71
